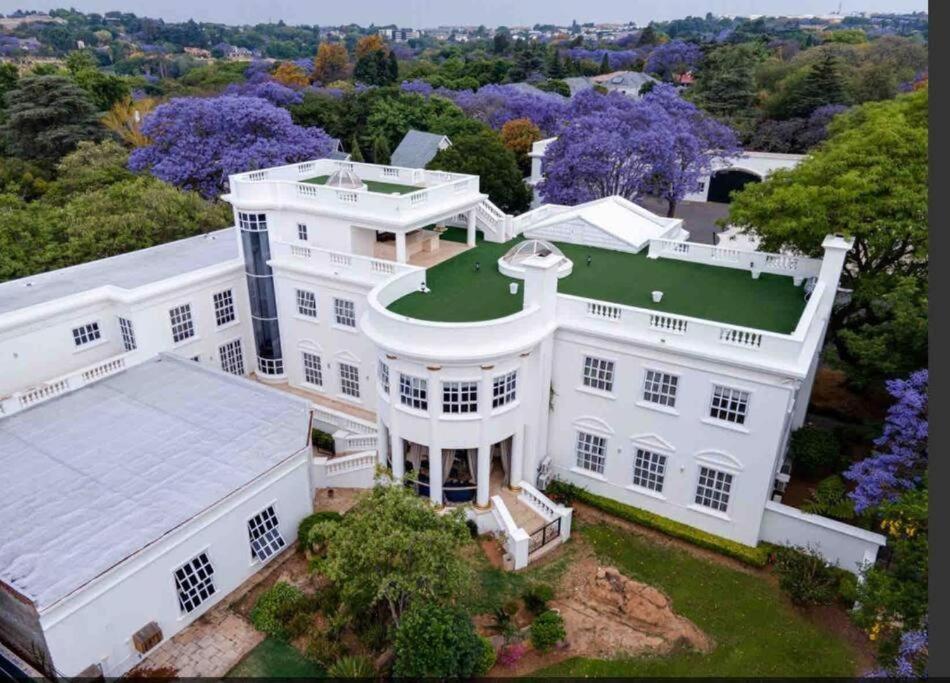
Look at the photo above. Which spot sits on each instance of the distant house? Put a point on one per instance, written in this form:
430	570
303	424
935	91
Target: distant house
625	82
418	148
338	153
198	52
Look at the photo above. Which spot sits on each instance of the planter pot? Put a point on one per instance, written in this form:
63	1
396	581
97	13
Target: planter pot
513	287
657	296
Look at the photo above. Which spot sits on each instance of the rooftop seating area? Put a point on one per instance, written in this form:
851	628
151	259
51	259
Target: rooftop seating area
469	288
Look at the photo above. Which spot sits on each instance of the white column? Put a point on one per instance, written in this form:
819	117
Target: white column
470	227
515	461
399	455
484	472
401	247
382	443
435	473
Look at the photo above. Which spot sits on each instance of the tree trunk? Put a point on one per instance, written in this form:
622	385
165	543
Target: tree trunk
671	208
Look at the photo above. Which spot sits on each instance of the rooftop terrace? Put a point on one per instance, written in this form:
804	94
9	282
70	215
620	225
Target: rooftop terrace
372	185
459	293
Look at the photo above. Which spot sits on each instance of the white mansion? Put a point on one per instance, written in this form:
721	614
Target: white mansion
474	354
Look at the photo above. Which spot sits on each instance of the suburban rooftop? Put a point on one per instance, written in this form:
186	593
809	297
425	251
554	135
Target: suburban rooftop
460	293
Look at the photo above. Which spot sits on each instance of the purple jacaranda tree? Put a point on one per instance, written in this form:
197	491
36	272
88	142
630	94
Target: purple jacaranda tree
899	461
196	143
616	59
911	660
270	90
672	59
659	145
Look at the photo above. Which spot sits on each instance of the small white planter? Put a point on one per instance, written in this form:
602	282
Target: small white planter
657	296
513	287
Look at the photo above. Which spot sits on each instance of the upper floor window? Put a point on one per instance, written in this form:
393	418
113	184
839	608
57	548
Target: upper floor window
649	469
302	231
713	489
312	371
252	222
128	334
350	380
591	451
731	405
414	392
86	334
660	388
598	373
306	303
194	582
504	389
224	307
263	530
459	397
382	371
345	312
183	327
232	357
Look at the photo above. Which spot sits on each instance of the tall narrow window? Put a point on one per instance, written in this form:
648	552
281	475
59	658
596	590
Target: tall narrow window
731	405
194	582
382	371
345	312
350	380
183	327
306	303
459	398
128	334
591	451
312	371
302	231
86	334
224	307
599	373
414	392
649	470
232	357
660	388
504	389
263	530
713	489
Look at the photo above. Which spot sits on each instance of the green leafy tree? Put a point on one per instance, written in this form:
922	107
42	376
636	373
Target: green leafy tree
438	642
726	86
869	181
92	166
485	155
355	153
104	90
393	551
381	153
604	64
46	117
809	87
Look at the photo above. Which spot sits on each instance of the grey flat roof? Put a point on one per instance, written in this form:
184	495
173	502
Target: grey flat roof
95	475
416	149
130	270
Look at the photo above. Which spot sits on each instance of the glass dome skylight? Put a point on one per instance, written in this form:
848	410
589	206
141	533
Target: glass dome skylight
345	179
525	250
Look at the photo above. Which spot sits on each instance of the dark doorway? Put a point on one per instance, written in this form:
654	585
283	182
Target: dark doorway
724	183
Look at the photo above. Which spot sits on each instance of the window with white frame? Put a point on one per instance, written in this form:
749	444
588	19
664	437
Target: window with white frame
224	308
414	392
728	404
194	582
307	303
128	334
302	231
599	373
591	452
232	357
312	370
649	468
459	398
350	380
183	327
264	532
713	489
660	388
86	334
345	312
270	366
252	222
382	373
504	389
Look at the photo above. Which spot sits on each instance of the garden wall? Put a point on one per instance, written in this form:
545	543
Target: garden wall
846	545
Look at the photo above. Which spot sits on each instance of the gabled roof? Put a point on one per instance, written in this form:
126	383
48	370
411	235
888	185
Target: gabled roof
619	218
417	149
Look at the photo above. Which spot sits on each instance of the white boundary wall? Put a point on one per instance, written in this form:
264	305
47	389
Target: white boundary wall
846	545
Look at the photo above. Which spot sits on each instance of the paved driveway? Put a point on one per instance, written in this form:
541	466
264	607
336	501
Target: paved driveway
698	217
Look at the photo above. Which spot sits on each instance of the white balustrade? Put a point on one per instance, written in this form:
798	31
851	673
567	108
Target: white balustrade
350	463
596	309
669	323
737	337
753	261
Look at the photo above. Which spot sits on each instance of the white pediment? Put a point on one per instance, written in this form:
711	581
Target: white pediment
653	442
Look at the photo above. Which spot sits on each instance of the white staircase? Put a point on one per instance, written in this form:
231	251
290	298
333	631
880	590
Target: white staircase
353	464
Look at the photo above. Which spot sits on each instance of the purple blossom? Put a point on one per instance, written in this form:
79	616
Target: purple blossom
900	459
616	59
418	86
306	64
196	143
272	91
673	58
911	657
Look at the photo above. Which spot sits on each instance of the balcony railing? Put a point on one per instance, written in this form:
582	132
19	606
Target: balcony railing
798	267
372	269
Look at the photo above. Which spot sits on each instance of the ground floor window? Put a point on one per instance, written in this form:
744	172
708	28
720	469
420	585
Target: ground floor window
591	452
350	380
232	357
312	372
648	470
264	532
194	582
713	489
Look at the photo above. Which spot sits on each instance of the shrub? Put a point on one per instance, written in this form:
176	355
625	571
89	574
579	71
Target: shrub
437	642
847	588
754	556
298	624
536	597
308	522
815	452
352	667
275	609
511	654
323	649
805	576
322	440
547	631
487	660
472	527
830	498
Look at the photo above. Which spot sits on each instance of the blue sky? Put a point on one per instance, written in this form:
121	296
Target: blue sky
436	12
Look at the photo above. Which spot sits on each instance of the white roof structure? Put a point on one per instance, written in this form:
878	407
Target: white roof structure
616	217
98	474
525	250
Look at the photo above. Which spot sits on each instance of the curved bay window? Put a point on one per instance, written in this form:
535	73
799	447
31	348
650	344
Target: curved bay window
260	286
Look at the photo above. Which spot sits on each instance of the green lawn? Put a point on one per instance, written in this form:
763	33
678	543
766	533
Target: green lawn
371	185
275	659
459	293
757	631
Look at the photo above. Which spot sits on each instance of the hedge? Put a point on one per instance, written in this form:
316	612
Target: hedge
755	556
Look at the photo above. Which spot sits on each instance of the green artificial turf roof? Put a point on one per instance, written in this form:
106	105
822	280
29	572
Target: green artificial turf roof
371	185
